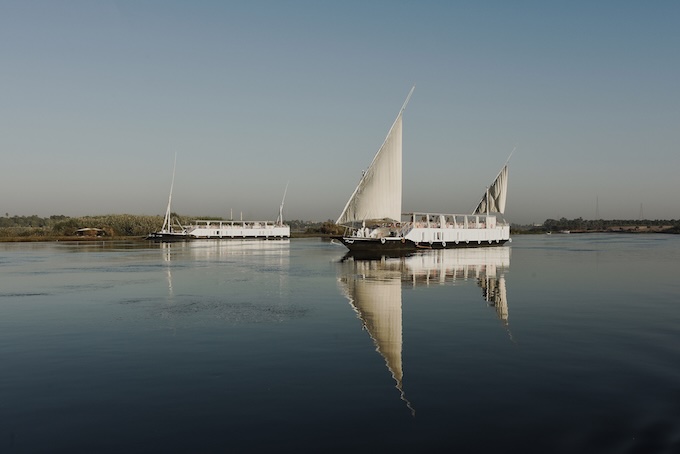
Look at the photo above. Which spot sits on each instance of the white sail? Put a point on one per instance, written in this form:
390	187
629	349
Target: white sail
493	200
378	194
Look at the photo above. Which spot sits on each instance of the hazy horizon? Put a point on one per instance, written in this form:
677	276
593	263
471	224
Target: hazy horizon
252	96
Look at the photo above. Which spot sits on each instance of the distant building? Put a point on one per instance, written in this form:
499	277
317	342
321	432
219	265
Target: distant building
90	231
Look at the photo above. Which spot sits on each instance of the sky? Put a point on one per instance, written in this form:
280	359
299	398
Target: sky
97	98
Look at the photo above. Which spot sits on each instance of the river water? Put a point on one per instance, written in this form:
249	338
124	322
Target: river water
555	343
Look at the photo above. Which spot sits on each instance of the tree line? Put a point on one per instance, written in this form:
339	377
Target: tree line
601	225
123	225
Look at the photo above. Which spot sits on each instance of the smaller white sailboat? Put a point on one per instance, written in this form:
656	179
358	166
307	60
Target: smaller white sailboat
375	224
220	229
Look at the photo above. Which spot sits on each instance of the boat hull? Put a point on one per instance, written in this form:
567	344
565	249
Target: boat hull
165	237
405	246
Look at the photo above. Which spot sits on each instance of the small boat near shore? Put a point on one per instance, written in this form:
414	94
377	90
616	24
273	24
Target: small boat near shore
374	222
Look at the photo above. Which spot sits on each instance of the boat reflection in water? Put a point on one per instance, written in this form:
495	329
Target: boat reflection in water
373	288
215	249
273	255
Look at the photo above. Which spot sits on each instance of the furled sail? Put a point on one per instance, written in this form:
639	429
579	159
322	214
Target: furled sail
378	194
493	200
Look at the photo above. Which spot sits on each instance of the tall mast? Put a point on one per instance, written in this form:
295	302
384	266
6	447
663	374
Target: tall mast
279	220
166	222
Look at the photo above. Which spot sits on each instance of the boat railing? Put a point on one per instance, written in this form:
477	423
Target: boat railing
235	224
449	221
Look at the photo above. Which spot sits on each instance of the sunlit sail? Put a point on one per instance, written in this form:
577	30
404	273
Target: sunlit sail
378	194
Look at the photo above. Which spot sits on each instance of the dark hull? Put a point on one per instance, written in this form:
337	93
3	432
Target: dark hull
392	247
167	237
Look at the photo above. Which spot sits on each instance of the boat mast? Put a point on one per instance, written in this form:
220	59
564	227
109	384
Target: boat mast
279	220
166	222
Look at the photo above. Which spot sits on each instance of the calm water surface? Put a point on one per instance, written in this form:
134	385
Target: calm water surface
560	343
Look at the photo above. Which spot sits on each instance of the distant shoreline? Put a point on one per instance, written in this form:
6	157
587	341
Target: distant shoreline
132	238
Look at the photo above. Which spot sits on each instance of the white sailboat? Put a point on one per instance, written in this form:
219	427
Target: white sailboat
221	229
374	221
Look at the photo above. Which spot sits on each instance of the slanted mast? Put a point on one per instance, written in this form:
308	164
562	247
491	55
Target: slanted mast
378	194
167	222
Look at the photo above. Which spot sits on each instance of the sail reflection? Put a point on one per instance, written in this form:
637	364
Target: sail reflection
373	288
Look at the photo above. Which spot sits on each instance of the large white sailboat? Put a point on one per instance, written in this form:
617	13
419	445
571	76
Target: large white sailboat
374	222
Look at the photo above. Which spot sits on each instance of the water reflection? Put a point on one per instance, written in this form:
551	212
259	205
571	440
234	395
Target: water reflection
215	249
237	266
373	288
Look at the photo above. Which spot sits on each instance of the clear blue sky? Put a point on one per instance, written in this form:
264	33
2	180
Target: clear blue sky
98	96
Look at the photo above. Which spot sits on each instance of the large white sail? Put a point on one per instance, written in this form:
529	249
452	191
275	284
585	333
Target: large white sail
493	200
378	194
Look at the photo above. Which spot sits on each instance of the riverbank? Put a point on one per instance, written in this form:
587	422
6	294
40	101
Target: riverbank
91	239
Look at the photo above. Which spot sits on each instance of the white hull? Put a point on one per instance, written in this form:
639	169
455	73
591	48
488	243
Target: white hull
256	230
425	231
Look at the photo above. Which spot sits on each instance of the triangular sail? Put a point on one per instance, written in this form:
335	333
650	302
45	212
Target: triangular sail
378	194
493	200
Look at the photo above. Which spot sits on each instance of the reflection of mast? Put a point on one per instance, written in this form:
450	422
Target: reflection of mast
165	247
376	298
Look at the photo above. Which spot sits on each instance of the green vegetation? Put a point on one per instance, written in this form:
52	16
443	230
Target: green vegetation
580	225
34	228
116	225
